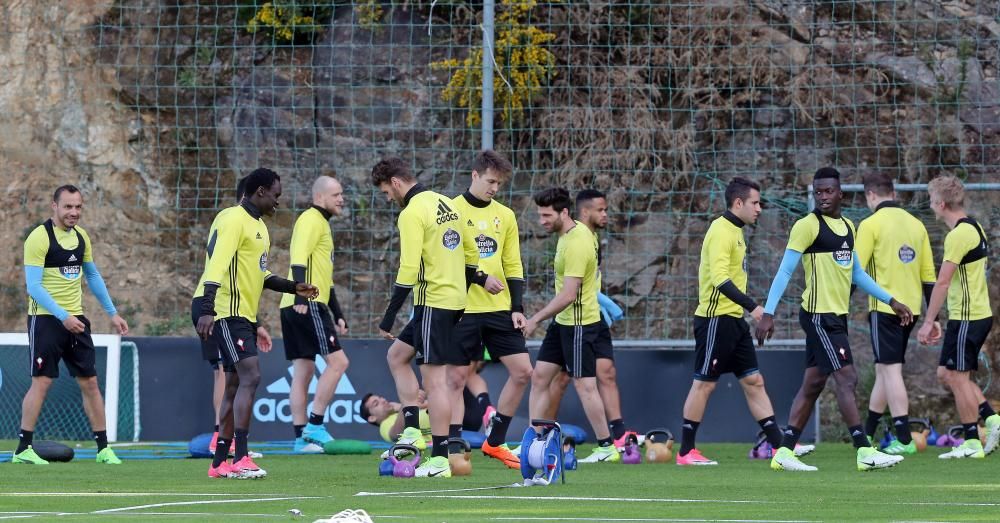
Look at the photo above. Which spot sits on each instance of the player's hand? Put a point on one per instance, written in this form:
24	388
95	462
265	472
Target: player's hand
765	329
386	335
529	327
904	312
936	333
74	325
757	313
493	285
340	326
929	333
518	319
204	326
306	290
120	325
301	308
264	340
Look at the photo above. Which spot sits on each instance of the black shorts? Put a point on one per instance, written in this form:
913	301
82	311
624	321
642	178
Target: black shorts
50	342
430	334
827	345
237	340
309	334
962	342
572	347
209	348
493	331
603	347
889	337
723	344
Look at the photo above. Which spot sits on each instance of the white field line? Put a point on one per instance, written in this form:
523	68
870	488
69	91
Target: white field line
432	494
363	493
667	520
104	494
206	502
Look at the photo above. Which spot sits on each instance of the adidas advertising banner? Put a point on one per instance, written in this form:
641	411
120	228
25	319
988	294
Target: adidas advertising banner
176	392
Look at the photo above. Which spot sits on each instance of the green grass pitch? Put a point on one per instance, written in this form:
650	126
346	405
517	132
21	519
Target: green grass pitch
922	488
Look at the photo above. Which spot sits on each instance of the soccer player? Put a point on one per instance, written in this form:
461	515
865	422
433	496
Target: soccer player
895	251
55	254
308	327
824	241
436	260
722	338
962	279
235	275
570	340
209	348
494	314
592	211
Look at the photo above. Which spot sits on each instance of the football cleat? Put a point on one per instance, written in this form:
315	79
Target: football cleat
502	453
435	467
316	434
28	456
896	448
971	448
247	469
108	457
992	438
224	470
785	459
871	459
694	457
607	454
301	446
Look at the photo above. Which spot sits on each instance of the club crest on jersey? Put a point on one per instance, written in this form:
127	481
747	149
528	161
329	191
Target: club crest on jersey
444	213
487	246
450	239
907	254
843	255
263	262
70	272
496	223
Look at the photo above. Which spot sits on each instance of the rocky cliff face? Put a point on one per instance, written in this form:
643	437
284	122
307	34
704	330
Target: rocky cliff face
154	107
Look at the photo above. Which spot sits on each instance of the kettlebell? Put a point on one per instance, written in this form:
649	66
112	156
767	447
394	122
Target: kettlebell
385	467
459	457
569	454
630	454
404	467
659	446
919	430
957	433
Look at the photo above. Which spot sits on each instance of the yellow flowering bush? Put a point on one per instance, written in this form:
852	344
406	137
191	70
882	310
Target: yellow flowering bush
283	19
369	13
521	58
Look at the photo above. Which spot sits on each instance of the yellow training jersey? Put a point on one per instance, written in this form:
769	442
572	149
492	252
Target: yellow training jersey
312	248
433	253
494	229
237	261
199	289
827	247
723	258
968	295
61	254
895	251
385	428
576	256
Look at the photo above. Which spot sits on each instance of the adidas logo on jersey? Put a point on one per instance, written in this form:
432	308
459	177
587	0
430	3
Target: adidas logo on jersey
258	236
845	246
72	258
444	213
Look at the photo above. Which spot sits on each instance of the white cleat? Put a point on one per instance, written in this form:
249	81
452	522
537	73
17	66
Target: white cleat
992	439
871	459
785	459
804	450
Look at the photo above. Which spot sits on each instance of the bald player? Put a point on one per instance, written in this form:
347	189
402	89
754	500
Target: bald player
308	328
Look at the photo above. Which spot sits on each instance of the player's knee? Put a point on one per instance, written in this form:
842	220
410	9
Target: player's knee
606	372
846	381
41	383
521	375
753	382
814	386
585	386
944	376
88	385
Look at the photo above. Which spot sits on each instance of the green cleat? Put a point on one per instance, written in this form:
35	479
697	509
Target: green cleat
972	448
992	438
607	454
896	448
871	459
412	436
29	456
785	459
107	456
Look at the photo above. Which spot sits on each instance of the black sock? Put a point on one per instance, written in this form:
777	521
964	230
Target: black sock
455	431
101	437
221	451
688	431
484	401
298	430
790	437
986	410
241	444
871	424
971	430
771	431
606	442
902	426
25	437
498	430
859	437
617	428
411	417
315	419
216	428
439	446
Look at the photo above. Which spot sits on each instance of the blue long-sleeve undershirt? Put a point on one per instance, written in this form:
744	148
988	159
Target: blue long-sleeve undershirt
33	277
791	259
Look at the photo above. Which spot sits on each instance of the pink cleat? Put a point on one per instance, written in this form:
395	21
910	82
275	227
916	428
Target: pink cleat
694	457
247	469
224	470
